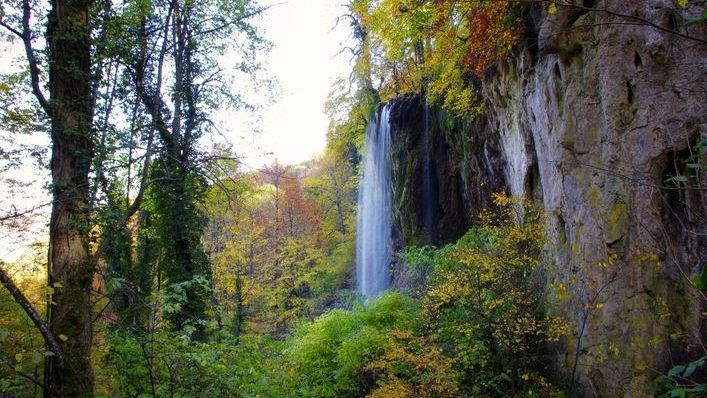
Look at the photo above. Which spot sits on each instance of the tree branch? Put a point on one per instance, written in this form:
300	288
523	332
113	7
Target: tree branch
234	21
642	21
11	29
49	338
133	207
29	51
20	373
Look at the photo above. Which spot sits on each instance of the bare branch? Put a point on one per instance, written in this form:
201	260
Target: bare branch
235	21
14	214
29	51
640	20
11	29
49	338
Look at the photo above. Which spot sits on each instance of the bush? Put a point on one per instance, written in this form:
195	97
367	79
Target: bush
164	365
481	300
362	351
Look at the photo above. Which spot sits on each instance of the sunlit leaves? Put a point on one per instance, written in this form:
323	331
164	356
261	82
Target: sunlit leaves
437	47
482	299
280	244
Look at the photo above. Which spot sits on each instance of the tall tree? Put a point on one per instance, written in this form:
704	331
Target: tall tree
70	270
179	81
70	109
73	80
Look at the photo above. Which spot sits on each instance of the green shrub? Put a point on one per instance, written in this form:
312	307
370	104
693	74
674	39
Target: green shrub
327	357
164	365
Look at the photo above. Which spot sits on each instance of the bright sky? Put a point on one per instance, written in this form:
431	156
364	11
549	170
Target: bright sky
305	62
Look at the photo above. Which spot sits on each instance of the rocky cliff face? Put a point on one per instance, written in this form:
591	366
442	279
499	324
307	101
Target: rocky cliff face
591	118
465	168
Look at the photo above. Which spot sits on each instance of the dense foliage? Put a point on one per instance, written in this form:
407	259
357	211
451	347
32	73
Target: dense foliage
478	328
484	301
440	48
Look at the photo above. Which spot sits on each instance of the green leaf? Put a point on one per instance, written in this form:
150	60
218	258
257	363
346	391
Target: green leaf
698	388
690	370
682	3
678	393
698	20
676	370
700	280
677	179
62	337
36	358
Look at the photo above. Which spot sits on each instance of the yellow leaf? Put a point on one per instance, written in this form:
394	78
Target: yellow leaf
552	9
62	337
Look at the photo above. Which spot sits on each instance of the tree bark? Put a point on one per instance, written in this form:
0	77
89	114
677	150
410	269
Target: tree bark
70	269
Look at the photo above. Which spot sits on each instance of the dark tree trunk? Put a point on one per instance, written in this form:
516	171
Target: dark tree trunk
70	268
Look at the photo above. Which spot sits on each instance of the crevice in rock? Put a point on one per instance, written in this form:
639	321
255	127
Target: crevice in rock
680	202
637	60
672	21
532	22
683	243
532	185
558	71
575	16
561	229
629	92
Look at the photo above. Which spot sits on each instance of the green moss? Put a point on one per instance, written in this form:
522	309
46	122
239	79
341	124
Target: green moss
593	196
639	321
616	222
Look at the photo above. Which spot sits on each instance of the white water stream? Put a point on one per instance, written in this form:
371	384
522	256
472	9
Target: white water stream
374	218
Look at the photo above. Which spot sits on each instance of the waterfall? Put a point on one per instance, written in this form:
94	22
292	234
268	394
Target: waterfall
374	219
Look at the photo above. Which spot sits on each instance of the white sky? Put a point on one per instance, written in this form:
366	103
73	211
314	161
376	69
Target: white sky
304	60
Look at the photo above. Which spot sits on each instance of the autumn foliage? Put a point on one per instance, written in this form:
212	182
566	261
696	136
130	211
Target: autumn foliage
439	47
491	35
477	329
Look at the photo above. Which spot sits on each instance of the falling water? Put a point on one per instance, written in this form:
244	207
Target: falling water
373	225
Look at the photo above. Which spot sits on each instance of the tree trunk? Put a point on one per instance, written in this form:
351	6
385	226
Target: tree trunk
70	268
